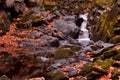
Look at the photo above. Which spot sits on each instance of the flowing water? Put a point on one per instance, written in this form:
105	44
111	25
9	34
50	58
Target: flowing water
84	38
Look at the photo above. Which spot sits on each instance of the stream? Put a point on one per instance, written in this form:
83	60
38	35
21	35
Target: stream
84	38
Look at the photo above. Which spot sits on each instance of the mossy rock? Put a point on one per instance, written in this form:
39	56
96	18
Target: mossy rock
74	48
109	54
104	64
36	19
115	39
100	55
63	53
117	56
55	75
107	24
91	72
86	69
27	16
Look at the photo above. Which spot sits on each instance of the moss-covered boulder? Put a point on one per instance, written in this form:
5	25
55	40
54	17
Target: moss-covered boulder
56	75
63	53
74	48
108	58
91	72
108	25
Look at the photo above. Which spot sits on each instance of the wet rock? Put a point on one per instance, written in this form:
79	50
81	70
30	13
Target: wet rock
63	42
73	73
86	49
79	21
108	45
42	59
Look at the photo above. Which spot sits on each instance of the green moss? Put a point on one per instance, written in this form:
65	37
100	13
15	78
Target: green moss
63	53
97	63
106	24
91	72
115	39
27	16
49	7
86	69
117	57
109	54
106	64
36	19
55	75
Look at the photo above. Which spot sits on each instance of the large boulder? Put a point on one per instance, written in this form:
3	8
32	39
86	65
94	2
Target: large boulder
67	27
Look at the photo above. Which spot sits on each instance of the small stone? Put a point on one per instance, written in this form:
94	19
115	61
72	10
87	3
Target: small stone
71	60
73	73
62	61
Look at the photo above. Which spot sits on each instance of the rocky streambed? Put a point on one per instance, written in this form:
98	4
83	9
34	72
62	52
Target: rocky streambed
45	45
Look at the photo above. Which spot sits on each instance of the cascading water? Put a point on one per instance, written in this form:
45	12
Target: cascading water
84	38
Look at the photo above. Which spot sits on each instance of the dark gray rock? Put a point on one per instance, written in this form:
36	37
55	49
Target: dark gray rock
34	35
68	28
62	61
73	73
108	45
54	66
50	41
71	60
99	44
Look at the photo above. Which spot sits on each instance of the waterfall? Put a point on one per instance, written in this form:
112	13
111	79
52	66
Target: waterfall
84	38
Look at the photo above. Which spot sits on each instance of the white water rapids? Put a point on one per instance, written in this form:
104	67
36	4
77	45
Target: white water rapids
84	38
